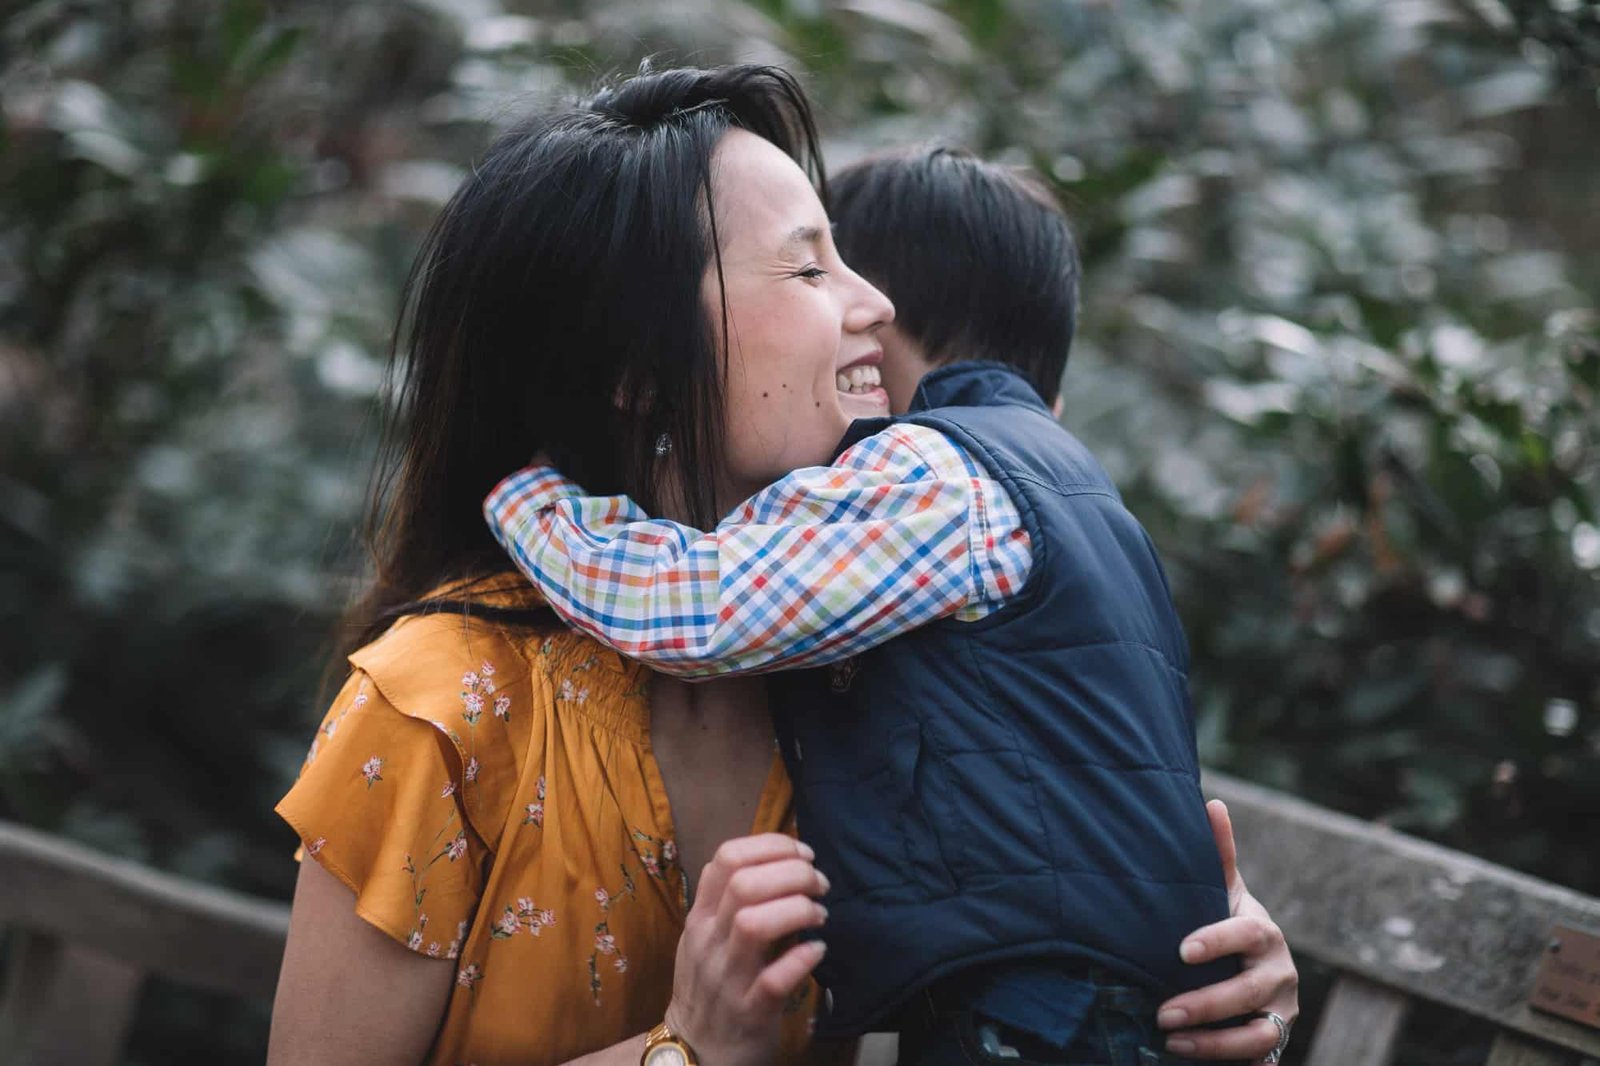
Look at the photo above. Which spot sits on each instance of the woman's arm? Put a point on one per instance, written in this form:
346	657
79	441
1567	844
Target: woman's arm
347	993
1269	981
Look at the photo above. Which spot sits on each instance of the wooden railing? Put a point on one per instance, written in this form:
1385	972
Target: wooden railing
1399	919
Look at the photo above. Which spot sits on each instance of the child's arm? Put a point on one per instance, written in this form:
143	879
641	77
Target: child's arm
904	529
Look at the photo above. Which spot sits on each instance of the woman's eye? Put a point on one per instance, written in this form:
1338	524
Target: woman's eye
812	273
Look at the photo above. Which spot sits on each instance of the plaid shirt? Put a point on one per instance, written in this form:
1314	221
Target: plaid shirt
904	529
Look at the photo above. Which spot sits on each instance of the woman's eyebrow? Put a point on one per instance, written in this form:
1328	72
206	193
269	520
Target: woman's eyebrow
804	234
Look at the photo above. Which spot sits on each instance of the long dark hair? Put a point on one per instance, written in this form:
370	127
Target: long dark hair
556	306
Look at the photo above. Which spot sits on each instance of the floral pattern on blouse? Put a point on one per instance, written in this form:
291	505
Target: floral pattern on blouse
492	801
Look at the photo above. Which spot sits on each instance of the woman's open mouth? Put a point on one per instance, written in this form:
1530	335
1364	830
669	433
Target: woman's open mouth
860	380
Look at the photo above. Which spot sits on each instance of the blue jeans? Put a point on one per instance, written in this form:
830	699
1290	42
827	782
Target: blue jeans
1120	1030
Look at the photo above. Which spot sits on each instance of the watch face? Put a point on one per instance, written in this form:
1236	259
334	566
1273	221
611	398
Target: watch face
666	1055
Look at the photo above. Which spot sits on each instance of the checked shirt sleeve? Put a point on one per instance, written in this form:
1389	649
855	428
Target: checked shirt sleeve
902	530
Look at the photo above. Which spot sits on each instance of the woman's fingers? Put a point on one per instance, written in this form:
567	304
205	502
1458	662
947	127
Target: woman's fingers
1252	936
1249	993
1227	851
1240	1043
738	853
779	980
756	928
756	884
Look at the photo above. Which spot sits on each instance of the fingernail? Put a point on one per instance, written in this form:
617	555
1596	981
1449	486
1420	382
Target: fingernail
1190	950
826	884
1180	1047
1171	1018
805	850
819	946
822	912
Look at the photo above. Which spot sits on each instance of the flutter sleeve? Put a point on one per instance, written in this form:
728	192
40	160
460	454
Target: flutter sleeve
378	804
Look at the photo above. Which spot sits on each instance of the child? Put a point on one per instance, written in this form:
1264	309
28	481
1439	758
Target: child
997	765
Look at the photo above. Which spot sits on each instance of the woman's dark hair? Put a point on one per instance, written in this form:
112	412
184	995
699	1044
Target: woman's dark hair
977	257
556	307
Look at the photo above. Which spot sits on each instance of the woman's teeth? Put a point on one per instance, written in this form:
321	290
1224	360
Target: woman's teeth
859	379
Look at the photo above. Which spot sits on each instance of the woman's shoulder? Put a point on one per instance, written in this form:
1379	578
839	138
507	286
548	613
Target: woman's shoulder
466	671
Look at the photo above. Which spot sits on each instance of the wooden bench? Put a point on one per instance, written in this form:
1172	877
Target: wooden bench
1399	919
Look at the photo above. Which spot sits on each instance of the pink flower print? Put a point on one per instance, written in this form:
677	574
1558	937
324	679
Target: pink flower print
502	707
620	963
487	669
538	787
535	815
605	943
547	917
448	791
360	700
471	772
651	866
469	681
602	897
529	914
474	707
370	770
433	949
469	975
415	942
669	851
458	847
572	693
507	926
316	845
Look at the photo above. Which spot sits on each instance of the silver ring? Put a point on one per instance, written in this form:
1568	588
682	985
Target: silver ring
1283	1035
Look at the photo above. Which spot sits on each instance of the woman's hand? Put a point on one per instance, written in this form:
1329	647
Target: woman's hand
1269	981
733	975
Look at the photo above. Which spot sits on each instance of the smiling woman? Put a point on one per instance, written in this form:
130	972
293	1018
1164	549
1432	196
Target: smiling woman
504	823
802	326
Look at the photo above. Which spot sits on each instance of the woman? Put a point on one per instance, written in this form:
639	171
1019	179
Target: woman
507	822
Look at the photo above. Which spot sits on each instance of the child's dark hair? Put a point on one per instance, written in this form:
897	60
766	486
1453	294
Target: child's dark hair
977	257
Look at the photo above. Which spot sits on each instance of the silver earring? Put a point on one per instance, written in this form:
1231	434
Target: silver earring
663	444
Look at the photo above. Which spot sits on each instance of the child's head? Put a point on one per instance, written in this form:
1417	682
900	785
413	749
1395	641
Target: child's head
977	257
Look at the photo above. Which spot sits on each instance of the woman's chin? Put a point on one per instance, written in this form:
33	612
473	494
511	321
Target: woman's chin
873	403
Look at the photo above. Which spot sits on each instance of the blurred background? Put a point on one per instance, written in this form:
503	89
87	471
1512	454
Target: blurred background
1340	346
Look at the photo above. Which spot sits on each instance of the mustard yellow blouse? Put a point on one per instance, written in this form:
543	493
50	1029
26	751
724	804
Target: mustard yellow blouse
492	799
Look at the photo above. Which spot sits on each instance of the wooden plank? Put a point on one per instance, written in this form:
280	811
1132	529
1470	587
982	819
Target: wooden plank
1513	1050
1360	1023
66	1003
1416	917
193	933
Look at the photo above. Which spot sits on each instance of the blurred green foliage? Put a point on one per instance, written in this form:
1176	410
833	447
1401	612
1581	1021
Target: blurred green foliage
1340	345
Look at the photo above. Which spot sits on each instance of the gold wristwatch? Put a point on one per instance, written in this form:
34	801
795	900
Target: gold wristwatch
661	1048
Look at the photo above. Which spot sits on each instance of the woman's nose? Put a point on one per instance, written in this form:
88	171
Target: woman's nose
869	307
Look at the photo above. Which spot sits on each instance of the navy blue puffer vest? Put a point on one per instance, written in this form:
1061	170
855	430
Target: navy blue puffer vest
1024	786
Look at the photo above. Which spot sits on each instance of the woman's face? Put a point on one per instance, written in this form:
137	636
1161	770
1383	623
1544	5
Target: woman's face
803	353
